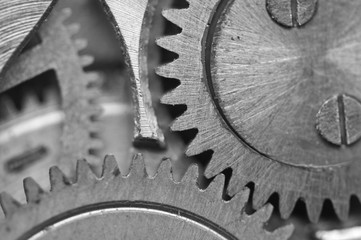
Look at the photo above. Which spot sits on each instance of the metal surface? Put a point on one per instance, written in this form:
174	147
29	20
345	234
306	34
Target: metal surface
132	22
338	120
253	90
132	207
292	13
18	20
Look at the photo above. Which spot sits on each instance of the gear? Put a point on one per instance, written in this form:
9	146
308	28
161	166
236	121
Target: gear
76	120
131	207
254	90
18	20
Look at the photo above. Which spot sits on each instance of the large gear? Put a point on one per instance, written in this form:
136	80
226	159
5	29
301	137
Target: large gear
257	93
77	119
132	207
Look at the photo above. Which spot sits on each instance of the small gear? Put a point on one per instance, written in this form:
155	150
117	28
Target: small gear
55	57
18	20
257	94
131	207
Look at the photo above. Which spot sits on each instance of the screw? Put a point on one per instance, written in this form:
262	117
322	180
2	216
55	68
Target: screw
291	13
339	120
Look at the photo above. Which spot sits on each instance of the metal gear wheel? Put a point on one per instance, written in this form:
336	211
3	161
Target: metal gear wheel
278	105
131	207
56	53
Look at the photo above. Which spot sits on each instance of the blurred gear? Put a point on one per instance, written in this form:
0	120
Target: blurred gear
18	20
257	94
132	207
31	130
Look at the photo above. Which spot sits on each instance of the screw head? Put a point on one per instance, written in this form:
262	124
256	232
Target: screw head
339	120
291	13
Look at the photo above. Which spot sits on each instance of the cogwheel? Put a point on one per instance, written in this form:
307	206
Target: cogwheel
57	53
276	105
18	20
131	207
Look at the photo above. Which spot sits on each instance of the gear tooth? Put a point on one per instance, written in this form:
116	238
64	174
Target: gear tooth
94	78
314	208
58	180
137	168
170	43
194	148
86	60
241	198
83	172
33	191
264	213
191	175
96	144
80	44
169	70
217	185
30	102
182	122
175	15
65	14
8	107
283	233
164	169
342	210
73	28
261	194
110	167
8	204
51	96
287	204
174	97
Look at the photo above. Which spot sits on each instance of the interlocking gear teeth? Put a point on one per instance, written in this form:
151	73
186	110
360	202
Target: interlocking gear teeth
229	151
135	188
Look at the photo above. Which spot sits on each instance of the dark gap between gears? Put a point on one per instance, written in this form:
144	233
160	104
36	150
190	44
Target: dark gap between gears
25	160
180	4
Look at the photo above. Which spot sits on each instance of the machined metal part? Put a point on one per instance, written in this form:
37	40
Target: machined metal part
132	22
263	97
18	20
132	207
